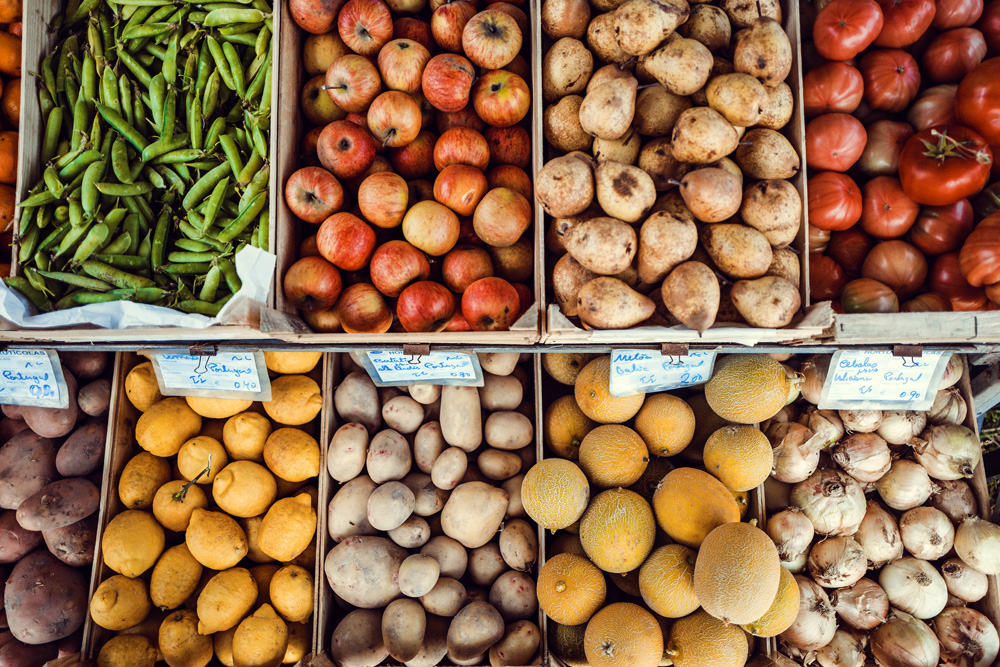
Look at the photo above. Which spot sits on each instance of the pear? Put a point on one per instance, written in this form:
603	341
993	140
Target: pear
769	302
561	125
785	264
608	303
559	227
607	110
624	149
766	154
641	25
657	110
568	276
602	41
739	251
605	74
665	240
682	65
778	107
764	52
565	185
739	97
774	208
657	159
691	294
712	194
673	202
702	135
565	18
603	245
742	14
566	68
709	25
623	191
728	165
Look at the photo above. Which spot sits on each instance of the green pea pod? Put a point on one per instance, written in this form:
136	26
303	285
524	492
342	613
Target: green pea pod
114	219
206	164
76	280
259	142
119	161
212	207
257	186
179	156
203	307
96	138
108	40
223	17
157	95
170	59
116	277
213	135
187	257
88	80
52	182
96	237
61	214
211	97
187	268
115	120
119	246
26	244
244	38
183	171
69	47
147	30
264	230
169	114
204	186
134	66
144	247
81	122
36	280
154	177
170	177
229	274
42	260
258	78
263	44
191	245
124	262
164	146
253	166
246	216
49	75
38	199
90	193
211	285
84	10
221	64
189	38
125	99
75	161
96	42
44	217
50	140
124	189
131	227
266	99
190	71
36	298
139	113
76	216
160	239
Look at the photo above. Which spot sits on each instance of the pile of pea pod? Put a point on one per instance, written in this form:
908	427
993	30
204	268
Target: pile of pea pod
155	154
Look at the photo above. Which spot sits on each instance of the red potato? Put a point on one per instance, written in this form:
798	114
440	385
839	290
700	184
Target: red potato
27	463
94	399
55	422
85	366
18	654
10	427
73	544
16	541
45	599
83	452
11	411
59	504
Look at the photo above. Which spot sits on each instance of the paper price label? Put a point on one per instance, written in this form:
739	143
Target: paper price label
222	375
393	368
879	380
32	377
646	371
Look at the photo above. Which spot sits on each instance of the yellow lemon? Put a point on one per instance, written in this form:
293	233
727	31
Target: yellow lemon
295	400
201	458
299	642
260	640
292	454
291	591
175	501
225	600
251	526
244	489
132	542
263	574
141	387
244	436
141	477
181	643
175	577
222	642
127	651
287	528
217	408
166	426
120	602
289	363
215	539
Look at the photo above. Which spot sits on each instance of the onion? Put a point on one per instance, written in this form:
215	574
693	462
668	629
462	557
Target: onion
814	370
825	424
797	564
863	606
949	408
863	456
837	562
900	426
794	457
952	372
905	641
954	498
861	421
789	413
966	583
791	531
951	451
815	624
879	536
776	494
977	542
927	533
905	486
967	637
794	383
914	586
846	649
954	601
833	501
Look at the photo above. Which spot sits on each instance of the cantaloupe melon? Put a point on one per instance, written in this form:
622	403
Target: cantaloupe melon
565	427
747	388
656	470
706	423
566	642
617	530
570	589
783	610
699	640
623	635
666	581
742	499
563	367
690	503
666	423
613	455
739	455
627	582
554	493
593	394
737	572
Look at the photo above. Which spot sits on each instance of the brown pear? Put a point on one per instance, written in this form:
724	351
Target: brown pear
778	107
743	14
623	191
602	41
561	125
565	185
624	149
607	110
702	135
691	294
605	74
682	65
603	245
785	264
739	97
565	18
766	154
769	302
665	240
673	202
566	68
774	208
568	276
608	303
709	25
657	160
657	110
560	226
641	25
712	194
764	52
739	251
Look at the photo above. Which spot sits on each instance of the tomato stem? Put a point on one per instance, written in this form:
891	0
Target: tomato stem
947	147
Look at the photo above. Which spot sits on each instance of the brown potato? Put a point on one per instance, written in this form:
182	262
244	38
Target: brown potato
766	154
348	510
474	629
403	625
568	276
566	68
364	570
445	599
712	194
357	400
774	208
605	246
769	302
428	443
508	430
709	25
740	98
561	125
428	499
498	465
515	508
520	642
513	595
778	106
449	468
682	65
389	457
473	513
412	533
665	240
657	110
451	556
519	545
739	251
357	639
703	135
486	564
691	294
500	392
764	52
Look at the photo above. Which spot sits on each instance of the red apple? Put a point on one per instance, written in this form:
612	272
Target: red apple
467	232
519	66
406	6
362	309
501	98
516	262
501	217
383	199
346	149
319	52
421	190
460	188
315	16
514	12
310	141
491	39
312	283
379	165
509	176
457	323
396	264
308	247
365	25
465	117
427	111
346	241
394	119
359	118
323	321
461	145
465	265
415	29
416	159
313	194
318	108
401	63
425	307
434	4
490	304
447	81
432	227
526	297
448	22
509	145
352	82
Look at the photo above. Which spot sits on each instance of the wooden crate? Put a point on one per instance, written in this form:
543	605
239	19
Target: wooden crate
288	159
122	447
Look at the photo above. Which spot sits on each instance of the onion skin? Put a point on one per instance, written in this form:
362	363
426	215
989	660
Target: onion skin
833	501
914	586
792	533
951	451
964	582
864	605
863	456
837	562
949	408
816	622
967	638
898	427
905	486
905	641
861	421
879	536
952	372
955	499
977	543
814	370
846	649
927	533
825	424
794	458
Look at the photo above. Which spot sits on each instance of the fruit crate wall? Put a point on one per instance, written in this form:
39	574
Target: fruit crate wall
121	447
287	159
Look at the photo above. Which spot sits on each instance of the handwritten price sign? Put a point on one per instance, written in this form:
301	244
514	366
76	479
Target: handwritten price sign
389	368
647	371
32	377
879	380
222	375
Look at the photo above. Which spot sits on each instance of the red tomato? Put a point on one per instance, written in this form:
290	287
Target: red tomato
865	295
928	302
953	54
934	106
943	164
832	87
826	278
941	229
898	265
887	213
849	249
845	28
989	25
977	102
946	278
886	139
834	141
834	201
956	13
904	22
979	259
892	79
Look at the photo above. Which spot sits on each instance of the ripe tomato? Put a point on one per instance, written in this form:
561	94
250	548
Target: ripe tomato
865	295
886	212
905	21
826	278
849	249
943	164
834	201
892	79
977	102
834	141
886	139
946	278
934	106
832	87
956	13
898	265
845	28
989	25
979	259
941	229
953	54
